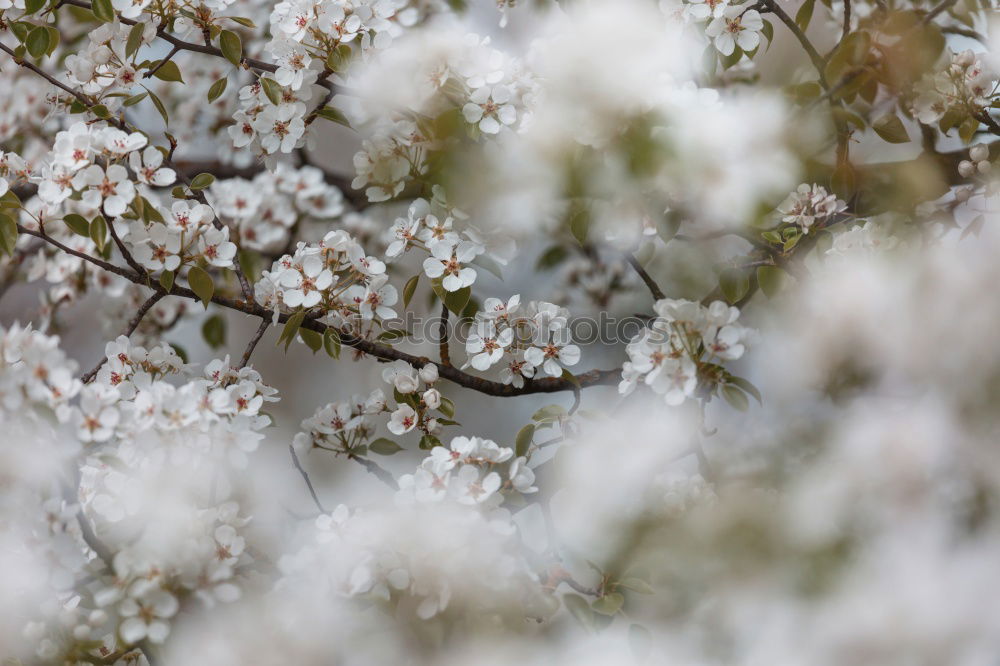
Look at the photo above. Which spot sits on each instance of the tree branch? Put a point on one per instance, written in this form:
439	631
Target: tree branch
264	323
129	330
650	282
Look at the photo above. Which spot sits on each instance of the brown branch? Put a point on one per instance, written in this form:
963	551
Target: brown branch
378	350
443	331
374	468
154	70
943	6
814	56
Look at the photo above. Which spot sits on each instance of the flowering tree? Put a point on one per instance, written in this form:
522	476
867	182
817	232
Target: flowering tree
695	198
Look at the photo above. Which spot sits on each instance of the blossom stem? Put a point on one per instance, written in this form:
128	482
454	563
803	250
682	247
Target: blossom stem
305	477
264	323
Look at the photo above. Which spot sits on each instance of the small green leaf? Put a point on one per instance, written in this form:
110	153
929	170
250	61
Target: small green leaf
447	407
214	331
103	10
734	284
135	99
609	604
457	300
201	284
291	328
549	413
489	264
242	21
331	342
735	397
891	129
100	111
167	280
748	387
99	232
201	181
804	15
8	234
312	339
37	42
579	225
32	6
334	115
769	279
169	71
409	288
134	39
636	585
232	47
552	257
523	439
159	106
78	224
428	442
384	447
271	89
217	89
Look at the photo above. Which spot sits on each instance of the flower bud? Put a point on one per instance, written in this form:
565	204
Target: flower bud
979	152
432	398
429	373
966	168
984	167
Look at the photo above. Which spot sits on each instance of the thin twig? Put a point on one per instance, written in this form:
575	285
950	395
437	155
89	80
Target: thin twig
163	62
650	282
443	332
373	467
264	323
814	56
305	477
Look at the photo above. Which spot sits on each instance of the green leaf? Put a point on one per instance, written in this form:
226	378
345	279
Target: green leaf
609	604
159	106
54	37
271	89
312	339
891	129
169	71
409	288
214	331
523	439
339	58
135	99
20	30
232	47
579	225
99	232
37	42
769	279
32	6
636	585
967	130
167	280
78	224
217	89
552	257
100	111
291	328
747	386
768	31
331	342
447	407
103	10
804	15
134	40
384	447
735	397
201	181
334	115
549	413
734	284
428	442
8	234
201	284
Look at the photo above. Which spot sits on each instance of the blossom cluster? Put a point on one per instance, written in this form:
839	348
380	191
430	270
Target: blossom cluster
966	84
685	336
811	206
417	399
102	66
522	342
466	472
335	276
343	426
